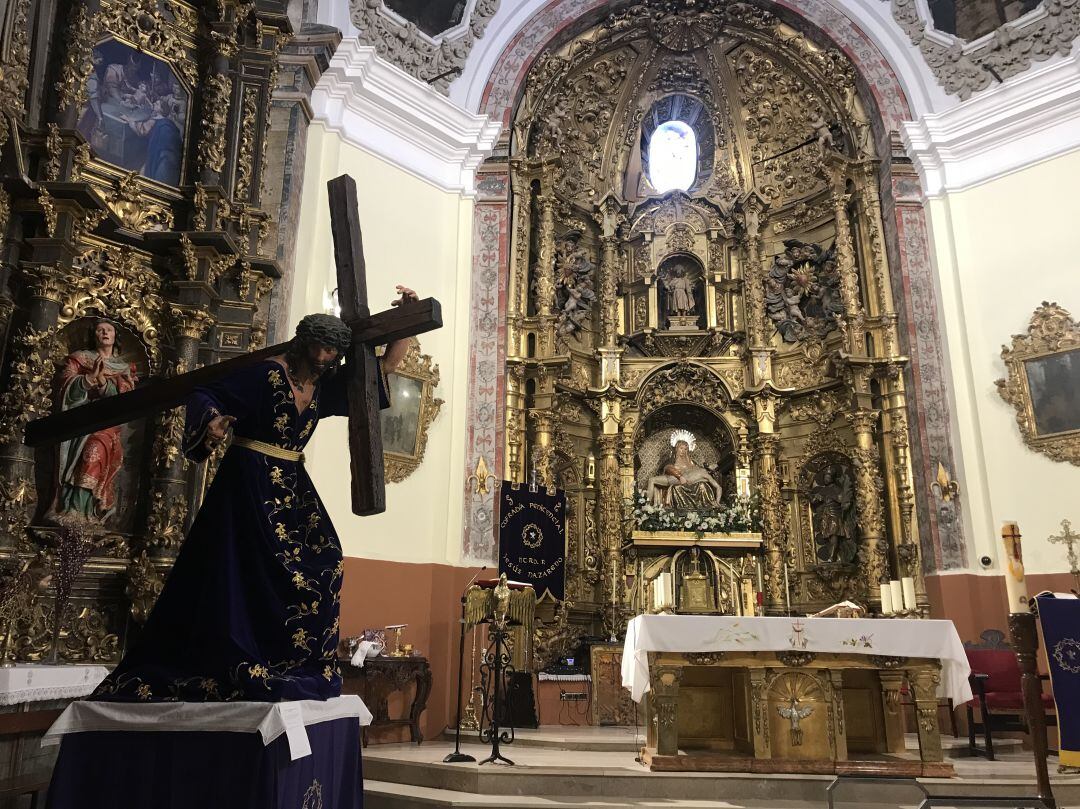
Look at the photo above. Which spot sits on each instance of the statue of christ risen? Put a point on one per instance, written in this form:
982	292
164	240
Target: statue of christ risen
250	608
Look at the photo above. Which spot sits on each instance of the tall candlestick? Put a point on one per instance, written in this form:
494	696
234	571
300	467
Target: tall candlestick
614	579
907	584
886	600
897	591
1015	586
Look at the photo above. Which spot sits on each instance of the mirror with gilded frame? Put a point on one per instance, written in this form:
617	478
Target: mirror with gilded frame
413	407
1043	383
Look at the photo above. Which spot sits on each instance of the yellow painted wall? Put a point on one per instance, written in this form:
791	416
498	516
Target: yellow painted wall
1001	249
417	235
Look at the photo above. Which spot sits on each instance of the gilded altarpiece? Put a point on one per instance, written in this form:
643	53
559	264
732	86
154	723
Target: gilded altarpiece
748	316
132	142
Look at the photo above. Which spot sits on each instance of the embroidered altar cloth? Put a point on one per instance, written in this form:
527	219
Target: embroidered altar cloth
865	636
36	682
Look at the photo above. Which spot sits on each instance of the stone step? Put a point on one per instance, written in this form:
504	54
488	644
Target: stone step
383	795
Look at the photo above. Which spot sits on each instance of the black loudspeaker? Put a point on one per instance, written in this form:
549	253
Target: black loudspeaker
521	708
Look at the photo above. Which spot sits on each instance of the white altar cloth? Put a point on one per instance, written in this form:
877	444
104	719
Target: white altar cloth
36	682
268	719
720	633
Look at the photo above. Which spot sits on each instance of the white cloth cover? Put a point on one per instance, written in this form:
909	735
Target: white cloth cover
37	683
268	719
718	633
564	678
364	650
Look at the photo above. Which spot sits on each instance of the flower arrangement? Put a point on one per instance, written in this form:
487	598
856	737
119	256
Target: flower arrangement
735	515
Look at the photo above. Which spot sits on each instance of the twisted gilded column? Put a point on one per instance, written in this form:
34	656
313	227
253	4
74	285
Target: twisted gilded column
610	507
845	257
767	447
545	273
871	517
757	320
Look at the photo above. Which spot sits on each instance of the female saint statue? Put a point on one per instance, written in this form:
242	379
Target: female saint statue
86	479
681	482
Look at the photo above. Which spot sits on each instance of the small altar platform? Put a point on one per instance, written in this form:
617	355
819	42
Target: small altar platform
792	695
272	755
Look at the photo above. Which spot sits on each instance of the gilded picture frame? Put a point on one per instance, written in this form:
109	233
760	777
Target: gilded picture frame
1043	383
413	407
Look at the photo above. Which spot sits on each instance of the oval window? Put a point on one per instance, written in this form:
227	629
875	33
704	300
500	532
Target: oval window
673	157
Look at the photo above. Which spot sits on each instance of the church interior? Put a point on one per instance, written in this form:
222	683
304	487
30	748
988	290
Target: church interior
758	325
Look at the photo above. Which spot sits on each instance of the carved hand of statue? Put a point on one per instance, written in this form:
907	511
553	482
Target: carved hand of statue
218	429
96	378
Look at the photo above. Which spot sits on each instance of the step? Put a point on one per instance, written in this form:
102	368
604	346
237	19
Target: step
383	795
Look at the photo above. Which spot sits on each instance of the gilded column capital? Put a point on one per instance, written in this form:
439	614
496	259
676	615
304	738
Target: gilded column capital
47	281
191	323
863	421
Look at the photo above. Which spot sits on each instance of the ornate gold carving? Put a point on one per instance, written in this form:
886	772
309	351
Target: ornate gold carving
144	585
17	495
191	322
54	149
1052	332
703	658
425	373
245	156
135	210
683	382
216	91
29	387
165	523
143	23
49	211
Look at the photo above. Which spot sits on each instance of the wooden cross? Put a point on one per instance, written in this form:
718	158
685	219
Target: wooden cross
365	437
1069	540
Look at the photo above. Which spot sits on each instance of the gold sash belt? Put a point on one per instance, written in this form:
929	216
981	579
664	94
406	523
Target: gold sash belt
268	449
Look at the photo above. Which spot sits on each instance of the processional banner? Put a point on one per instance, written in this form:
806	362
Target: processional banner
532	538
1060	618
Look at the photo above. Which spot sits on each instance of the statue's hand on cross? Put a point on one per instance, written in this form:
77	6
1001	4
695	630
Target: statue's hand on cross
395	351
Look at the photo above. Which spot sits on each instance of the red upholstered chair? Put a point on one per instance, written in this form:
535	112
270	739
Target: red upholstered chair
995	682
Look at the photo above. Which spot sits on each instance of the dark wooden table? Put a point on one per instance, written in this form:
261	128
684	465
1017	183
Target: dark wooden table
382	676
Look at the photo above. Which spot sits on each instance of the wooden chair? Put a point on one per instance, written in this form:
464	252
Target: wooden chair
995	682
32	784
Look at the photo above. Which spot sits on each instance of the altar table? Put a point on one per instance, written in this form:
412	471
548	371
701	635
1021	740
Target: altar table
172	755
792	694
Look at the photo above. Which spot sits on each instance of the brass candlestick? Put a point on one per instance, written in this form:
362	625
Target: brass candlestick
396	629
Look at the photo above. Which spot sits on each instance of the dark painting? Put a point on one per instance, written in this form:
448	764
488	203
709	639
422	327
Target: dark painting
1054	382
136	111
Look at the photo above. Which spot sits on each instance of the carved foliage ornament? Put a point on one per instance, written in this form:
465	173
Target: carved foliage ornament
413	406
1010	50
436	61
683	382
1043	383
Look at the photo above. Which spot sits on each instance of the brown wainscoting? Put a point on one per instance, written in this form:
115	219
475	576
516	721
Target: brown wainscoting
977	603
427	597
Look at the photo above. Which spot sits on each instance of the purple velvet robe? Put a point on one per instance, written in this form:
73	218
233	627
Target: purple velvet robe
250	608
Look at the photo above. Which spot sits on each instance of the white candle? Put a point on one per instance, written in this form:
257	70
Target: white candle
908	585
886	600
897	595
1015	586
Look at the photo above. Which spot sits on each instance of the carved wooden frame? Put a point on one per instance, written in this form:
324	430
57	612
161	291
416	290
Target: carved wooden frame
1051	331
421	368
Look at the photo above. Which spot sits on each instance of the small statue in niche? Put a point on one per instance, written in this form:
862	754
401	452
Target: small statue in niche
832	507
574	293
88	464
802	291
681	482
680	289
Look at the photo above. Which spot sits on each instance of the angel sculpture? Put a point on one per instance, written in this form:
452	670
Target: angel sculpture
794	714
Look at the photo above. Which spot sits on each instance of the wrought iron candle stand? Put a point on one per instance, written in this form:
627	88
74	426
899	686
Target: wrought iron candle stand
496	673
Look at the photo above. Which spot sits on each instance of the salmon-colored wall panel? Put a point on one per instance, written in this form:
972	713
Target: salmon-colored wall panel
427	597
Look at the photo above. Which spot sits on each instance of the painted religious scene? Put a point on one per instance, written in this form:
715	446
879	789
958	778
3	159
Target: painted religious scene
136	112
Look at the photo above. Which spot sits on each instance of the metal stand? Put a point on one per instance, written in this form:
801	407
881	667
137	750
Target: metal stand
457	756
1024	636
495	675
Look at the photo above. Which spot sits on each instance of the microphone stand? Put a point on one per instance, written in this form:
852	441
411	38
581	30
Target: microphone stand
457	756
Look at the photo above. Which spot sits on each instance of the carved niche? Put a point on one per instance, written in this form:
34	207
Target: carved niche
1043	383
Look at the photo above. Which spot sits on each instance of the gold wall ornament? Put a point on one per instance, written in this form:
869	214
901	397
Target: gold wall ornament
48	209
17	496
88	639
212	142
144	585
245	155
143	23
480	476
134	207
1043	367
413	407
28	393
168	440
165	522
83	31
944	486
54	149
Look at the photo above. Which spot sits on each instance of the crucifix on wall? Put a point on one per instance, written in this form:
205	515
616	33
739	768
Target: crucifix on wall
1070	541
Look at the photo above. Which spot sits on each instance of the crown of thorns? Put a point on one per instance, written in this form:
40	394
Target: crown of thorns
324	329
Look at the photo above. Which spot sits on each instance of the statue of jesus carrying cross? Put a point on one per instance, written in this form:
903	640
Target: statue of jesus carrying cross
250	608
